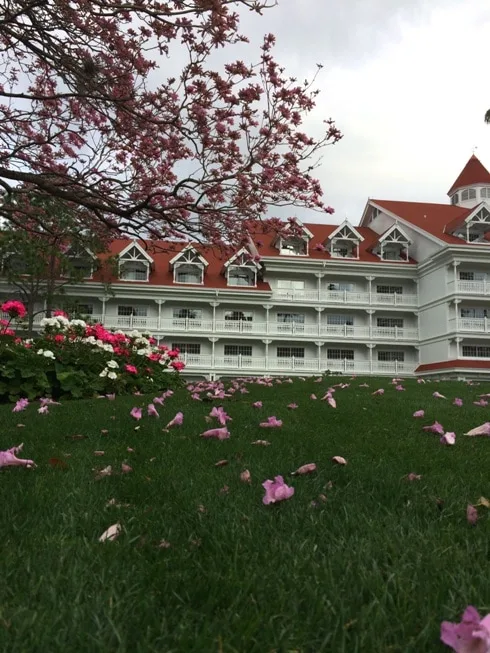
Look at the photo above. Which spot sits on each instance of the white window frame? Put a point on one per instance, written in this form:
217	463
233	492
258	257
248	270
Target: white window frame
238	350
337	354
134	256
290	284
183	348
229	316
186	313
390	322
289	246
473	313
247	272
468	194
391	356
392	290
337	319
129	310
198	267
290	352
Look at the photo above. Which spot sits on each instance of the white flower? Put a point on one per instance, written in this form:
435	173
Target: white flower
112	375
143	352
48	354
100	343
62	321
40	351
119	332
104	372
78	323
107	347
49	322
113	364
134	334
141	341
90	340
162	361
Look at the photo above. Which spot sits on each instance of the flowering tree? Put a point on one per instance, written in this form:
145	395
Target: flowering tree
58	249
89	117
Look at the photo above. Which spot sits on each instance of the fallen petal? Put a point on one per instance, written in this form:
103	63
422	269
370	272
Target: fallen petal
339	460
308	469
111	533
245	476
471	514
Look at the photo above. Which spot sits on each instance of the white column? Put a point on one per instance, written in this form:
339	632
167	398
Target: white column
213	342
159	302
319	310
267	309
370	289
266	343
214	306
370	346
103	300
319	276
319	344
370	312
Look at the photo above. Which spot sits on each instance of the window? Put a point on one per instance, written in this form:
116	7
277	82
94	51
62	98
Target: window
84	309
389	290
290	284
485	193
294	247
243	316
340	354
390	322
238	350
135	311
341	285
340	319
187	314
454	198
391	356
472	276
343	251
374	213
188	273
474	312
468	194
241	276
288	318
133	271
290	352
187	347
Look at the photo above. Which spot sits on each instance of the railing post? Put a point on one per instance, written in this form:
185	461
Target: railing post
394	298
239	361
131	321
396	366
396	333
485	324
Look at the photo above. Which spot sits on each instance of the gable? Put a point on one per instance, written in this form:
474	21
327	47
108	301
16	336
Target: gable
134	252
346	231
188	255
394	234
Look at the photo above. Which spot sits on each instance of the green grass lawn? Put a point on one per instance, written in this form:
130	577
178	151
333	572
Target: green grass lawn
374	568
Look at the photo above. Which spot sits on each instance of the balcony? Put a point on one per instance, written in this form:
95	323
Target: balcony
345	297
259	329
473	287
261	365
471	324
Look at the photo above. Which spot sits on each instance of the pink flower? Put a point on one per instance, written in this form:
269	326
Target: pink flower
219	413
418	413
483	429
9	458
152	411
44	410
448	438
312	396
14	308
20	405
272	422
437	395
131	369
420	380
414	477
136	413
292	406
177	365
457	402
257	404
378	392
340	460
176	421
276	490
220	434
472	635
59	313
471	514
481	402
245	476
125	469
435	428
400	388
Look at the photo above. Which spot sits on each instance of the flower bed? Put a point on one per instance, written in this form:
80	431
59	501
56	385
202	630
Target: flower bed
72	358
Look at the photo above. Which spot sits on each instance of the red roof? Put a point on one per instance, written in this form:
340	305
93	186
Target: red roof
161	273
264	240
433	218
460	363
474	172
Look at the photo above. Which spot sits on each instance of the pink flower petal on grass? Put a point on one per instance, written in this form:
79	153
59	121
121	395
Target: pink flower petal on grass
263	443
483	429
413	477
448	438
99	453
111	533
125	469
178	420
292	406
272	422
339	460
220	434
152	411
136	413
472	635
257	404
458	402
436	428
276	491
419	413
305	469
471	514
437	395
380	391
9	458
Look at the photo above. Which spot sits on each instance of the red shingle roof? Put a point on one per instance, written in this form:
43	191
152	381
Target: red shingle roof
460	363
432	218
474	172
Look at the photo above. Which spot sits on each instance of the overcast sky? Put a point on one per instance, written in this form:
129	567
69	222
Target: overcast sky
407	83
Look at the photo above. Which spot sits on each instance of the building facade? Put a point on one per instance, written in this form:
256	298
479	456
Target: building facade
405	292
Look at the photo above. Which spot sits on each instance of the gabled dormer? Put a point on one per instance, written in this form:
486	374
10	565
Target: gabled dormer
134	263
293	239
474	227
472	185
188	266
393	245
242	270
344	241
79	259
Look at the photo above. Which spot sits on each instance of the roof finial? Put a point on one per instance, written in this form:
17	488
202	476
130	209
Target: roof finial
475	147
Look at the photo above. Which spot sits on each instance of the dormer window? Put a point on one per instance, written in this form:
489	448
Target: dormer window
344	242
242	270
189	266
455	198
485	193
293	247
134	264
475	226
79	262
393	245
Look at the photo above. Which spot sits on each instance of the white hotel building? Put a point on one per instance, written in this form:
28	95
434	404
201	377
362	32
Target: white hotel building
406	292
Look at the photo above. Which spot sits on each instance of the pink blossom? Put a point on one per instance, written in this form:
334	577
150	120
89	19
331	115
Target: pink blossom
400	388
435	428
448	438
437	395
380	391
276	491
136	413
245	476
305	469
177	365
483	429
131	369
420	380
20	405
472	635
272	422
457	402
471	514
178	420
14	308
152	411
313	396
9	458
257	404
125	469
220	434
44	410
292	406
340	460
419	413
481	402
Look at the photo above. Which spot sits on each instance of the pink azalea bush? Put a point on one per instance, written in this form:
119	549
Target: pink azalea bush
71	357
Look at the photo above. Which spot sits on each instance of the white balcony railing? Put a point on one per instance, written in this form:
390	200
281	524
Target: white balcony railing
260	365
346	297
472	324
207	326
474	287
